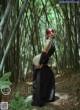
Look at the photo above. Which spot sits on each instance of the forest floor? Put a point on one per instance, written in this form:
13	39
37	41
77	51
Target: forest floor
67	92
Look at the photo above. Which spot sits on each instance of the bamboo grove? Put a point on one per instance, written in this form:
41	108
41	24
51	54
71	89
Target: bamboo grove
22	34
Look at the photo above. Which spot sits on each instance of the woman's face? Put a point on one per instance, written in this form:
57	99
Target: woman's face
52	35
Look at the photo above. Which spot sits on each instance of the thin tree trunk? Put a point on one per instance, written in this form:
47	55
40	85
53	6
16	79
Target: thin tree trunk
17	51
4	18
12	35
76	54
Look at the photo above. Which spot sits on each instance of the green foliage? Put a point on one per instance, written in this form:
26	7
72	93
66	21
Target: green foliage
18	103
5	76
37	3
4	80
29	107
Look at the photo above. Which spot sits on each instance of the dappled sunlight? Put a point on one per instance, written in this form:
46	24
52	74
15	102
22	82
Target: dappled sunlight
63	97
29	83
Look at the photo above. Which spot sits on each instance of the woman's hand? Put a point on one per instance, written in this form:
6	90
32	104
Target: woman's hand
38	66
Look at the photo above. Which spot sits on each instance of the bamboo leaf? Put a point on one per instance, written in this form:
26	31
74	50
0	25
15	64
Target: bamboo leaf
5	76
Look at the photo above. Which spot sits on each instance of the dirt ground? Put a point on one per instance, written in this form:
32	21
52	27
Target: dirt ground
67	92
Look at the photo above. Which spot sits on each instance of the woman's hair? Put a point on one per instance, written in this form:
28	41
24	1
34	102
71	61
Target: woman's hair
48	31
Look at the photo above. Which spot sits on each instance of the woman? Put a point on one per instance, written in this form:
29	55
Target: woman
48	50
43	77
